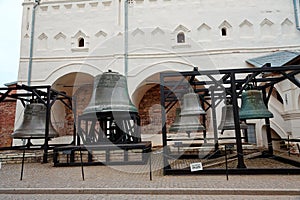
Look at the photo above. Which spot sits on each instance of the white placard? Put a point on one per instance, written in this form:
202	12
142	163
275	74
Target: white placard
0	165
196	166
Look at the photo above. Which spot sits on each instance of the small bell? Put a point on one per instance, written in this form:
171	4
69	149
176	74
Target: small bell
227	119
188	119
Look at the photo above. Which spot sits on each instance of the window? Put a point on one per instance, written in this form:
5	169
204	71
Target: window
224	32
181	38
251	136
80	42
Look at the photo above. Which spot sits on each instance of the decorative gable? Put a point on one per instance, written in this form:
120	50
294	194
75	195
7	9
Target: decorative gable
181	28
80	34
59	36
246	29
43	43
101	34
266	22
266	27
204	27
225	24
204	32
287	22
43	36
137	32
245	23
157	31
286	27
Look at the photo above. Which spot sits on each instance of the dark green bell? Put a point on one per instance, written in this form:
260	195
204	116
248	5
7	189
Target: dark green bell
253	106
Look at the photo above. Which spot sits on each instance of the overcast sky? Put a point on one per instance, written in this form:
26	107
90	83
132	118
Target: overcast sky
10	36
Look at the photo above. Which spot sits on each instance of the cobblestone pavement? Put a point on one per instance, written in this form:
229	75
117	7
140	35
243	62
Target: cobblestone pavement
136	178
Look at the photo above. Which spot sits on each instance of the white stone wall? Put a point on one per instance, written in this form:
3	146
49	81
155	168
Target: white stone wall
253	28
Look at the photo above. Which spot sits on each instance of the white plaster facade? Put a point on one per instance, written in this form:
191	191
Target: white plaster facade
217	34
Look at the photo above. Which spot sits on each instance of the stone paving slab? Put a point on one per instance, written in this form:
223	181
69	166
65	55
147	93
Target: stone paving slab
132	181
152	191
38	175
148	197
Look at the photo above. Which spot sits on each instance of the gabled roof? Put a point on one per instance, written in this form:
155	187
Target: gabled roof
277	59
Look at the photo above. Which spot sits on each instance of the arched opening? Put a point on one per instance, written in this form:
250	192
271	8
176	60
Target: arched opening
81	42
77	85
180	37
223	31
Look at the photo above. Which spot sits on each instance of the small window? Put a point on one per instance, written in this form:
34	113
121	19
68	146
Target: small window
250	134
224	32
180	38
80	42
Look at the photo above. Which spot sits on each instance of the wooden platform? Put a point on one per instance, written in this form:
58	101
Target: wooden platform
102	154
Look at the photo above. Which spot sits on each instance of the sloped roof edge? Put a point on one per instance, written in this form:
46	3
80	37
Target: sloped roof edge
279	58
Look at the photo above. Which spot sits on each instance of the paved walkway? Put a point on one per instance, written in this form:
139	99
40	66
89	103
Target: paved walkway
43	181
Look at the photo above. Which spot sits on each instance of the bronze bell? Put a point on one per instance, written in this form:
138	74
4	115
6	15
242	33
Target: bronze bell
227	119
253	106
188	120
110	94
111	106
191	105
34	123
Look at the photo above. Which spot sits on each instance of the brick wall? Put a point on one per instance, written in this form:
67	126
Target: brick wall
7	120
83	96
150	112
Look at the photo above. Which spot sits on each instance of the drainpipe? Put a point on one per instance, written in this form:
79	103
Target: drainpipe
126	38
37	2
296	12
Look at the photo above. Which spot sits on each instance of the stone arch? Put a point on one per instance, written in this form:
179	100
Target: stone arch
72	68
62	117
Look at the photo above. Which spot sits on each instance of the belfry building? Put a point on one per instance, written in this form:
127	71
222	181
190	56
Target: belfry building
66	44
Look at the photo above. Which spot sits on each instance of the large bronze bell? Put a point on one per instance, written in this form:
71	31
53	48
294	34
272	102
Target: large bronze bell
188	120
227	119
34	123
253	106
110	94
112	108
